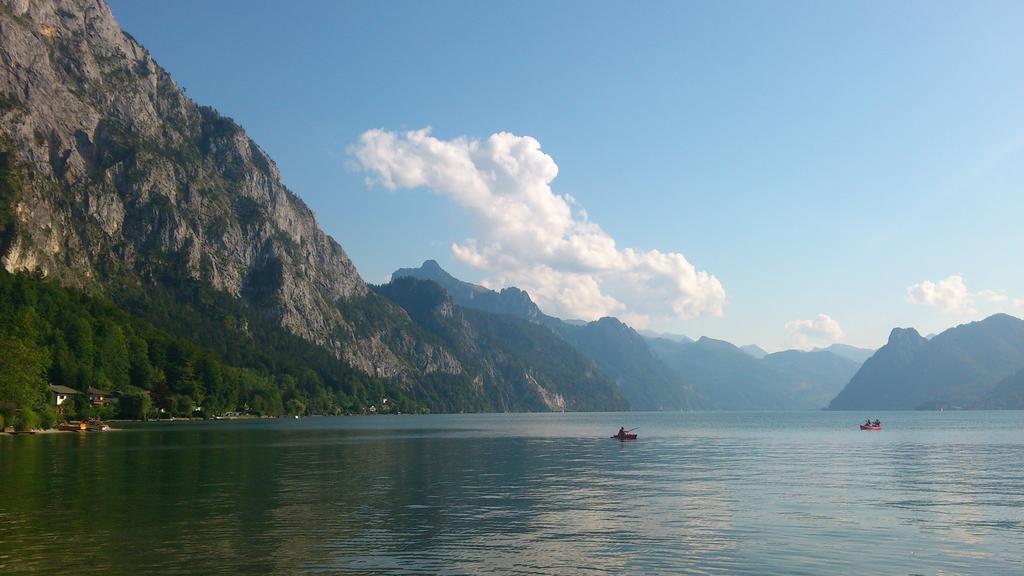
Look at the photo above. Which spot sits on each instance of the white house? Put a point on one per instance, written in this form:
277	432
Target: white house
59	394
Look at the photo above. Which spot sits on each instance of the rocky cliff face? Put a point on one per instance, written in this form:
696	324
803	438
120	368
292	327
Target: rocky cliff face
510	300
510	364
121	176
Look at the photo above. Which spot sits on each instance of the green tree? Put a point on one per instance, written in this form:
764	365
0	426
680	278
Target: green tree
80	338
64	366
113	357
23	377
141	370
26	420
295	407
182	405
47	418
135	405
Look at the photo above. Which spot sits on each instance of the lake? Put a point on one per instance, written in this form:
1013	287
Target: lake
698	493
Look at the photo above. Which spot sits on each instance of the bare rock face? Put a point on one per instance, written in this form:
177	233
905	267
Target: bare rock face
123	173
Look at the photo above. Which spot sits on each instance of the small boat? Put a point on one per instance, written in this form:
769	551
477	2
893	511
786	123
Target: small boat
624	437
73	426
871	427
96	426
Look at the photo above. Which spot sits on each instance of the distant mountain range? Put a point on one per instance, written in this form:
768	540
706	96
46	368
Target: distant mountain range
665	335
733	379
858	355
670	373
616	349
121	194
975	365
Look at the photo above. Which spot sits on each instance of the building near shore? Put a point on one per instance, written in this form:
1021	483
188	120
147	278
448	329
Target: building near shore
61	394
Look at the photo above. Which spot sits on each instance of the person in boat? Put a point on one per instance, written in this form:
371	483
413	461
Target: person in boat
867	422
622	432
877	422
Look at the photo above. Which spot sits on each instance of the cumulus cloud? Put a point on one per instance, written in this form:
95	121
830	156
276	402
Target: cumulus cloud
822	329
529	236
949	295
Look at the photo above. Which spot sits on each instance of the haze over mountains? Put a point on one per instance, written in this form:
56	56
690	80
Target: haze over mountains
672	374
121	191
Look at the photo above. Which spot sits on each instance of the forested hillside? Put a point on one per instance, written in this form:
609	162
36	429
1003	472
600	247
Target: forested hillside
52	334
130	198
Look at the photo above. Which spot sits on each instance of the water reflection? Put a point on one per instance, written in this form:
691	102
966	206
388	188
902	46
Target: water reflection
700	494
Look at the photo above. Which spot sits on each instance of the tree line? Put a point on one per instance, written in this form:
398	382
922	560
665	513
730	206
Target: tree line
51	334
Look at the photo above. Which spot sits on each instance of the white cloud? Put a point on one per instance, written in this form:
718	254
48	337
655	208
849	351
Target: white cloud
531	237
950	295
1018	303
822	329
994	296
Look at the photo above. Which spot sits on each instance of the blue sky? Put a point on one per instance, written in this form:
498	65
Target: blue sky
815	158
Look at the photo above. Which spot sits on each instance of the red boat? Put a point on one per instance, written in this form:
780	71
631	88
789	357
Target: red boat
624	437
871	427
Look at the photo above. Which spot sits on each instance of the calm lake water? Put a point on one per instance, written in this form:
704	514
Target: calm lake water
699	493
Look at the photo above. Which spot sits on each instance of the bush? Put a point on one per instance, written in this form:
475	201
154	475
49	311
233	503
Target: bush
106	412
26	420
47	418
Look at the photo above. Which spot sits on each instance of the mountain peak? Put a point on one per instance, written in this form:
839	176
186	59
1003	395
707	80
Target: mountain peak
510	300
956	368
900	336
1001	317
712	343
754	350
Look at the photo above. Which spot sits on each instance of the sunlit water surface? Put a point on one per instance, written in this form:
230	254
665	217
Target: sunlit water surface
699	493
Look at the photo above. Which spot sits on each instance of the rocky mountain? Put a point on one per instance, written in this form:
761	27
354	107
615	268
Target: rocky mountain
616	349
510	300
117	184
509	363
124	178
957	368
672	373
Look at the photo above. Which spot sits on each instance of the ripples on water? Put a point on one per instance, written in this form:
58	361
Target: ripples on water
705	493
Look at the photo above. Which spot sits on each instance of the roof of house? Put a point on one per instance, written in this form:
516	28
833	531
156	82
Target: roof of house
58	389
98	392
